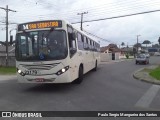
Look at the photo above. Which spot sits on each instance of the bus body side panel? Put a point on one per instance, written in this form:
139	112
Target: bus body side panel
75	62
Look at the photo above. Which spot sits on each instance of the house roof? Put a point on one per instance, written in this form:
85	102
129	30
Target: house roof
103	49
111	47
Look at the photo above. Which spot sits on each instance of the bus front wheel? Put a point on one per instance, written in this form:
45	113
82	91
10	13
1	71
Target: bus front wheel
80	77
95	68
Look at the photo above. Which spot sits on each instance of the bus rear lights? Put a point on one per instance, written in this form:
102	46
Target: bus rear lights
63	70
20	72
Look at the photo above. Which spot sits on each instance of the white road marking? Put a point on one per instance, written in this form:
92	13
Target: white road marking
148	97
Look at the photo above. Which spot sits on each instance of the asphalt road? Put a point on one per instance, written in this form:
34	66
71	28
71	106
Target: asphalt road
111	88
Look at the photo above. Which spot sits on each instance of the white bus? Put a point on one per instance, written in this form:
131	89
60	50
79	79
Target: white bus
54	51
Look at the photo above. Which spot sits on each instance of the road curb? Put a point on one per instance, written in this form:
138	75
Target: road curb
139	75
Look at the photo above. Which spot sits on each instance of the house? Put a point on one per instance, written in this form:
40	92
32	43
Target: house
111	48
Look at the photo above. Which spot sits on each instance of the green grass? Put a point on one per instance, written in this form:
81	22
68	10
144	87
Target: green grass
7	70
155	73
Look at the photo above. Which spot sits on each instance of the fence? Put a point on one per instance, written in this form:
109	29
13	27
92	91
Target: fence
11	61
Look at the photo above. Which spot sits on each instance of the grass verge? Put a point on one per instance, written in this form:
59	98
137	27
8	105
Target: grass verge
155	73
146	70
7	70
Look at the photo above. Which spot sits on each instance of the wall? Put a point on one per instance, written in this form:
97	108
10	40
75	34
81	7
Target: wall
108	57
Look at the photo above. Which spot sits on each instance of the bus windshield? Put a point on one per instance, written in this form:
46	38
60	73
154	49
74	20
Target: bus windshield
41	45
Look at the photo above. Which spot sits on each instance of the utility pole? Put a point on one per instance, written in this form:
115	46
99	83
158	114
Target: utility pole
82	17
7	10
137	42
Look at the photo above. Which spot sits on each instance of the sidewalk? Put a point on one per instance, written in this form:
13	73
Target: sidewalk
114	61
7	77
144	75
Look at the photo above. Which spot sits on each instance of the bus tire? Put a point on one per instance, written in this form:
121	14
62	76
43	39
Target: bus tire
95	68
80	77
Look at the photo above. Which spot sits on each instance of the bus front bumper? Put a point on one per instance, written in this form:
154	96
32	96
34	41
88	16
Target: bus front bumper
63	78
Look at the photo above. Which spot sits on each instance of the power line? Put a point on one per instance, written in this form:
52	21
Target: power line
110	10
150	5
91	15
73	12
124	9
106	5
120	16
98	37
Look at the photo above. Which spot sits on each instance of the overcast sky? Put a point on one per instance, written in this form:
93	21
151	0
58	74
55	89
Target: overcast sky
114	30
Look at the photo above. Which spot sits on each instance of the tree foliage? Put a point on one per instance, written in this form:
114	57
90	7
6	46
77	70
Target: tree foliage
122	43
146	42
155	46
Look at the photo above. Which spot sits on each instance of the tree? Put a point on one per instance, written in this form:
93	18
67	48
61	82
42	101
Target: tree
146	42
112	45
155	46
122	44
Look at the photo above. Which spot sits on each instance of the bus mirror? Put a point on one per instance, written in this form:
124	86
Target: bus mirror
73	36
73	51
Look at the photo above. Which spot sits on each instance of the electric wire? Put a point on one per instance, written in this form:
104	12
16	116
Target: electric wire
99	9
120	16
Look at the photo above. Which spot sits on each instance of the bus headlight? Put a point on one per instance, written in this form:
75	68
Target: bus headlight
63	70
20	72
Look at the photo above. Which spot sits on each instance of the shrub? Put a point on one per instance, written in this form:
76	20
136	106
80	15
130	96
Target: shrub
127	56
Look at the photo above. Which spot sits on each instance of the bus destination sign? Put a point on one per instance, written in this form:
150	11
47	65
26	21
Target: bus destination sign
39	25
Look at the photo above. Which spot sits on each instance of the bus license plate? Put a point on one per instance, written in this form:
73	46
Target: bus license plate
39	79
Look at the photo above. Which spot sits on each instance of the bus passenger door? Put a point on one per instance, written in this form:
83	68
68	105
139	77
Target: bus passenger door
72	53
73	60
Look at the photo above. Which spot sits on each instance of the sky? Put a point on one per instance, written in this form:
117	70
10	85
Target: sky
118	30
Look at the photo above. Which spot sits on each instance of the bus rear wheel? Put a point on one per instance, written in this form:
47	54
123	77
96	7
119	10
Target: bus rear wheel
80	77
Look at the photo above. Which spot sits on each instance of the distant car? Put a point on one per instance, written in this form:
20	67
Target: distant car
142	58
157	54
147	55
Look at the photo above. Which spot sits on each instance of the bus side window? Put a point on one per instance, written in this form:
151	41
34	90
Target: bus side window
72	41
90	44
85	43
96	47
80	41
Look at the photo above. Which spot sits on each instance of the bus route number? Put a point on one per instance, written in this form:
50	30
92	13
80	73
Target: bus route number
31	72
